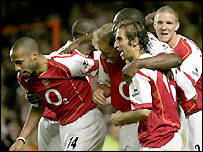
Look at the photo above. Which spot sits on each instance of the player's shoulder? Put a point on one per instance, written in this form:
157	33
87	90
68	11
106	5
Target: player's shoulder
188	43
143	71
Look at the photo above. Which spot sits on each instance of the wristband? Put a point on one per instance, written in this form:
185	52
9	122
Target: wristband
21	138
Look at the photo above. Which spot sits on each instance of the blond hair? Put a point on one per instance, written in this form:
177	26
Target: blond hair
103	34
167	9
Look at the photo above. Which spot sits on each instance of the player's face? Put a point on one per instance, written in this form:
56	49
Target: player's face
166	26
109	52
122	45
23	62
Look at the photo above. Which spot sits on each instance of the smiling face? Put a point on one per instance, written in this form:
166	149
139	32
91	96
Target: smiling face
24	64
166	25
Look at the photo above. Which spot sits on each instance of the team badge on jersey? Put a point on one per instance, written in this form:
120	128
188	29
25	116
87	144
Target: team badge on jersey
46	82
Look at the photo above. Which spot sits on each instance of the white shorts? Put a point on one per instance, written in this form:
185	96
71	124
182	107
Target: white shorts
175	144
128	138
87	133
183	128
48	135
194	125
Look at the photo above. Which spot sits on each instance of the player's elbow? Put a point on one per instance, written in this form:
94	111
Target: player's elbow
177	60
145	112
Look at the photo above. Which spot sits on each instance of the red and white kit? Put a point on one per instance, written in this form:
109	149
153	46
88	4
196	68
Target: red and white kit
192	67
65	90
110	74
150	89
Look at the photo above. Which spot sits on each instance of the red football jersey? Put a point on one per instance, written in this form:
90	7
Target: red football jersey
49	113
119	90
63	87
192	67
150	89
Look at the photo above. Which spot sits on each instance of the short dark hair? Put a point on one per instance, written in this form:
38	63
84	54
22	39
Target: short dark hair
133	29
129	14
28	44
82	26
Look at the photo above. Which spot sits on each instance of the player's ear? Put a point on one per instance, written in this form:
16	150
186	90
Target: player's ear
135	42
34	54
177	26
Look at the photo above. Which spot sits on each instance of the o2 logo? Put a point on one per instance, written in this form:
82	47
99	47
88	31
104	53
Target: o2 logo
60	100
121	90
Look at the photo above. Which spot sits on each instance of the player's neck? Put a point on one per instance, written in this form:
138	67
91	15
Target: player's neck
174	40
42	65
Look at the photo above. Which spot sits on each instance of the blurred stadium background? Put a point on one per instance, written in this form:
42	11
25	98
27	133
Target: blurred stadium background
49	22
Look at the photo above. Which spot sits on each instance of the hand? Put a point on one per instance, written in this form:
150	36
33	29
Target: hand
16	146
129	71
77	42
149	19
98	96
33	98
115	118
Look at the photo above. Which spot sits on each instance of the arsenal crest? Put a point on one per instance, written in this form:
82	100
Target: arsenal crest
46	82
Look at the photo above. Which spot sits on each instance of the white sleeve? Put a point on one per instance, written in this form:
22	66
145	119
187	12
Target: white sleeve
103	78
184	83
97	55
140	90
156	47
192	65
79	65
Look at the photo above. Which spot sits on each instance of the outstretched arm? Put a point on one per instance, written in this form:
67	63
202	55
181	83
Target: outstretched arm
159	62
32	120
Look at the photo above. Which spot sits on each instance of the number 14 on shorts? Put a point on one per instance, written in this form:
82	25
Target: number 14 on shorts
72	143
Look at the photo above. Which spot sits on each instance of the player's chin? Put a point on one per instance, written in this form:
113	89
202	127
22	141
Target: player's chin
26	74
164	38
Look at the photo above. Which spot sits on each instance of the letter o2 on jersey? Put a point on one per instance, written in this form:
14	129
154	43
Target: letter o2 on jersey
121	90
56	93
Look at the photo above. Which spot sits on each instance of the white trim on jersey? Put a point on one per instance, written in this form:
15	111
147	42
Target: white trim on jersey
103	77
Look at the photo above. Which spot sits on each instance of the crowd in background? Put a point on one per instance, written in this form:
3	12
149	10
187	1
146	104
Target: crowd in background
14	107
